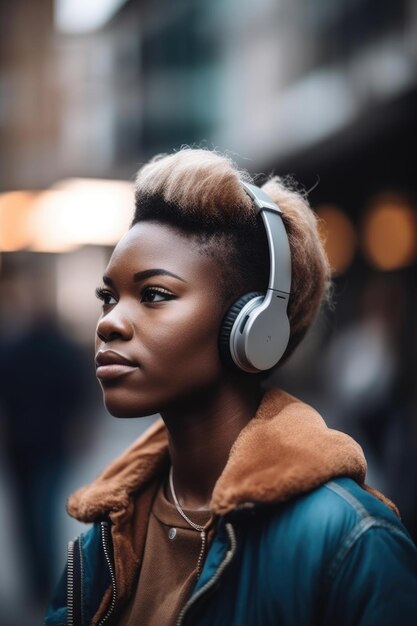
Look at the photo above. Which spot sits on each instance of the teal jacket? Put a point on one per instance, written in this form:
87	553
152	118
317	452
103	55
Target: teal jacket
298	542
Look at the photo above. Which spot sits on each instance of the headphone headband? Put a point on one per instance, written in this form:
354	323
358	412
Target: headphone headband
279	247
261	200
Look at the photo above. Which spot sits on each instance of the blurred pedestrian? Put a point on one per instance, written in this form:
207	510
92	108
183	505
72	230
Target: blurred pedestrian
42	390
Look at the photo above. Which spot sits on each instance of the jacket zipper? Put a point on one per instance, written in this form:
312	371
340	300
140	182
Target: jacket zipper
210	583
107	553
75	583
70	584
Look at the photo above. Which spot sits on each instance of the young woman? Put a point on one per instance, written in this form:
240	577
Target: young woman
238	507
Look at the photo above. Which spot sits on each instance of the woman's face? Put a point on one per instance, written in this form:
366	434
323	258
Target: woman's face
156	342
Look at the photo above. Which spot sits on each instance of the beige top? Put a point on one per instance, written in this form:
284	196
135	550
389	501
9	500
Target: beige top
169	567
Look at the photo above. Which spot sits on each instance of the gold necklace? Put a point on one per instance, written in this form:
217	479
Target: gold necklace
201	529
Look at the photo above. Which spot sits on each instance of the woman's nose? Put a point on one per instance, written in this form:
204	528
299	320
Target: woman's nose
114	325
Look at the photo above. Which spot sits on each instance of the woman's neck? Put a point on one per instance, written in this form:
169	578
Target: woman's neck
201	434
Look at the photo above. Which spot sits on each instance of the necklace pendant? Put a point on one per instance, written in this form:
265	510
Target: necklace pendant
201	529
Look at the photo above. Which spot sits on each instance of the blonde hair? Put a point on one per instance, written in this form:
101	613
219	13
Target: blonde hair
202	183
200	191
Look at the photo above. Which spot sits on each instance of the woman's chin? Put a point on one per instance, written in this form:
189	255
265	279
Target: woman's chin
126	410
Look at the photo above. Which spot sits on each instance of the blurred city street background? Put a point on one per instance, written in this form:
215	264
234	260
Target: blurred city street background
89	89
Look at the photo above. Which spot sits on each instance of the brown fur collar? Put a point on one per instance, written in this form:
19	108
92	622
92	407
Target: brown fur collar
285	450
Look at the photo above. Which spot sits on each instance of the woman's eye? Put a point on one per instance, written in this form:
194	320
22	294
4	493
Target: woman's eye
156	294
105	296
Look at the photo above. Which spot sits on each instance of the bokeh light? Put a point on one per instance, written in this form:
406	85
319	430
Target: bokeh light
70	214
15	207
389	233
82	211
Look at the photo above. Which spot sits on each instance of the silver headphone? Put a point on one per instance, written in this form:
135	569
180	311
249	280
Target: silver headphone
255	330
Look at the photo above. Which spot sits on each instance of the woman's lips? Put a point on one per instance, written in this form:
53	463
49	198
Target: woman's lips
115	370
111	364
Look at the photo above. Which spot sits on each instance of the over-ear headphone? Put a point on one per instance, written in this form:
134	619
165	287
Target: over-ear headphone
255	330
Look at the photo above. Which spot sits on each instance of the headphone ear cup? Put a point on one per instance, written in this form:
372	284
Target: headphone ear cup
228	323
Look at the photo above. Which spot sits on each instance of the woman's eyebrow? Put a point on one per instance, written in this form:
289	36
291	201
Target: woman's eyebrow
143	275
108	281
154	272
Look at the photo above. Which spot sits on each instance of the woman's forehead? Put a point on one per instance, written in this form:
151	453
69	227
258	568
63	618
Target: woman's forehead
152	245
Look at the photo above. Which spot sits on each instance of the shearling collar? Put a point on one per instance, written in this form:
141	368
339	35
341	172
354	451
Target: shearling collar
285	450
